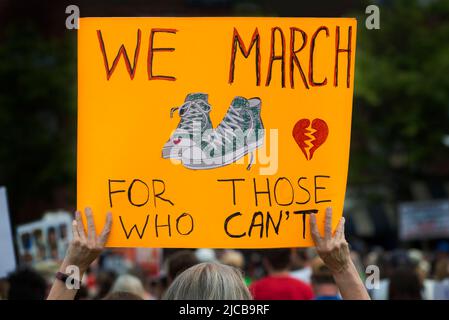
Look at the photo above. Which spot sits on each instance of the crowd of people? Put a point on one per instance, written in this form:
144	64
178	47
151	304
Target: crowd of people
327	271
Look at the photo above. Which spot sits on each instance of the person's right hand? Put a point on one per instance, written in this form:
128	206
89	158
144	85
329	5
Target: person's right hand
86	246
333	250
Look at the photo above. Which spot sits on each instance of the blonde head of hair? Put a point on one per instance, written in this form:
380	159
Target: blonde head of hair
208	281
129	284
233	258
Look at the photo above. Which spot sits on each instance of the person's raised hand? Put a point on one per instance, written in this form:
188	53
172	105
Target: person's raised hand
332	249
86	247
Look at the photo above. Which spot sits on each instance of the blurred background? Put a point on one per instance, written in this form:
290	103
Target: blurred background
397	202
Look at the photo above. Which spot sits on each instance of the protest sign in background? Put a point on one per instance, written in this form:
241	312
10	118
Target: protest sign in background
8	261
424	220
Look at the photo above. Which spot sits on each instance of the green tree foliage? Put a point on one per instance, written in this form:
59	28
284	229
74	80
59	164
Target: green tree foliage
37	116
401	109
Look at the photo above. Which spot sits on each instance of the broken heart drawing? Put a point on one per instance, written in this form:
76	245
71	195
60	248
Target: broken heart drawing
310	137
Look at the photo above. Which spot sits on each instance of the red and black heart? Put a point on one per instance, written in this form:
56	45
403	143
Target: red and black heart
310	137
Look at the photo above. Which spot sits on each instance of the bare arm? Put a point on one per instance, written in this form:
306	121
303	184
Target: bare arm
83	250
334	251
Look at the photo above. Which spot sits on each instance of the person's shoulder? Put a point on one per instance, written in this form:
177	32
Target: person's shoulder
257	283
297	282
303	272
257	286
263	279
302	286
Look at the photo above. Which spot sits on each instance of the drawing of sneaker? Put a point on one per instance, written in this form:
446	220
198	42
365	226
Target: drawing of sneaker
240	132
194	114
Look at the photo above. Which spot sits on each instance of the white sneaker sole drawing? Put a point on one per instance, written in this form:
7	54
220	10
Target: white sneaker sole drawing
221	161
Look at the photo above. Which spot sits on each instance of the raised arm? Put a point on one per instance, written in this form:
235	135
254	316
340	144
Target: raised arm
334	251
82	251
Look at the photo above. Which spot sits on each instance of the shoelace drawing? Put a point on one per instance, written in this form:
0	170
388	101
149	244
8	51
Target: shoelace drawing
190	113
230	124
226	131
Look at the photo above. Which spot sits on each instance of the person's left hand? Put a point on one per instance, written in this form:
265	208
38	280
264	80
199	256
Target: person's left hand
84	249
332	249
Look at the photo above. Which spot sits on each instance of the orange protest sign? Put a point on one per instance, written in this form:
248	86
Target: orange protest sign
214	132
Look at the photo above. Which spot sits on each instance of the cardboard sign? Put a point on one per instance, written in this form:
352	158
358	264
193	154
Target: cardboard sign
44	240
8	261
422	220
214	132
441	290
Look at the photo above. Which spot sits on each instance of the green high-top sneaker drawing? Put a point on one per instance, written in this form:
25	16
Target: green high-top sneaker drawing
194	114
240	132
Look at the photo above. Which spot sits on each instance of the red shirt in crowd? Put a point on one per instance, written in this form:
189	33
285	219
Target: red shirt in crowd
281	288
